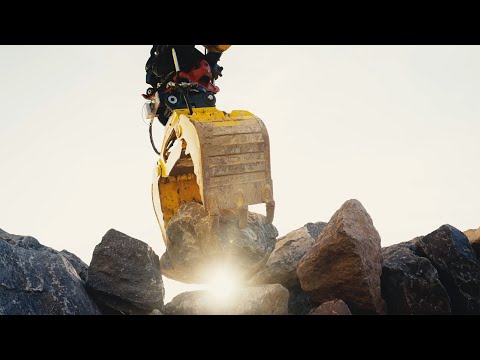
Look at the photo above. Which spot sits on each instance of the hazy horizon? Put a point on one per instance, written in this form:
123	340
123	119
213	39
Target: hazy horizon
396	127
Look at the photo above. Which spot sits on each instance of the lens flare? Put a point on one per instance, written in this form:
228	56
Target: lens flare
222	284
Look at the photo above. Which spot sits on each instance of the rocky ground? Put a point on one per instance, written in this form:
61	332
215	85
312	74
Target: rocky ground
334	268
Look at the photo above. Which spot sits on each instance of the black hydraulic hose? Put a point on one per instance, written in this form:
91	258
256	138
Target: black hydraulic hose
185	97
187	101
151	137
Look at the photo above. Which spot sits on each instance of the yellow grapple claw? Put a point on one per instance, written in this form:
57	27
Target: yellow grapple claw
210	157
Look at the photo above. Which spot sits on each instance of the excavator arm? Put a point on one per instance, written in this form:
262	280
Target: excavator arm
217	159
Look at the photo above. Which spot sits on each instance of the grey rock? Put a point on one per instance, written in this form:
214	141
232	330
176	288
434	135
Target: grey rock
77	263
333	307
191	249
410	283
29	242
124	275
34	280
314	229
449	251
258	300
345	262
25	242
282	263
299	302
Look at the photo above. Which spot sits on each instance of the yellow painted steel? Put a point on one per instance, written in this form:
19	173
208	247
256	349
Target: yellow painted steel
220	160
177	190
217	48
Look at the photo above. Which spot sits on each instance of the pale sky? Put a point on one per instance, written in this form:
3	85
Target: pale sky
396	127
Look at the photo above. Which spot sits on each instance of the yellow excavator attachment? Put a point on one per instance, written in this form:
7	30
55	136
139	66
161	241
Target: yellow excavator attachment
219	160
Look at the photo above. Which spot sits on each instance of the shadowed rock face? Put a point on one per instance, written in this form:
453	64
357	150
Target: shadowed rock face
345	262
450	253
37	280
281	266
314	229
410	283
258	300
334	307
191	249
299	302
124	275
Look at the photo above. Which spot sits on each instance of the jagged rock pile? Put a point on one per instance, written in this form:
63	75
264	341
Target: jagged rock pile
334	268
433	274
37	280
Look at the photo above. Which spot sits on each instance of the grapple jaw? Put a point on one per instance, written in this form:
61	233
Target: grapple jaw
219	160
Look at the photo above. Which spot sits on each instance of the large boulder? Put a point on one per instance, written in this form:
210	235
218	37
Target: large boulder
191	249
281	266
473	236
333	307
258	300
449	251
410	283
345	262
124	275
37	280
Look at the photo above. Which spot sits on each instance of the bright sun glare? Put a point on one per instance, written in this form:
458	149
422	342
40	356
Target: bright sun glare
222	284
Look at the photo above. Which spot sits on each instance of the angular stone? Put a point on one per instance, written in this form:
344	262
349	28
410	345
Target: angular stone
258	300
410	283
473	236
333	307
281	266
124	275
345	262
450	253
191	249
37	280
314	229
299	302
77	263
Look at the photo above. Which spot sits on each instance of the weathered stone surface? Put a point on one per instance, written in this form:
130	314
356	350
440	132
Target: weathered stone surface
410	283
299	302
77	263
333	307
25	242
191	249
258	300
124	275
29	242
473	236
281	266
37	280
345	262
314	229
449	251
